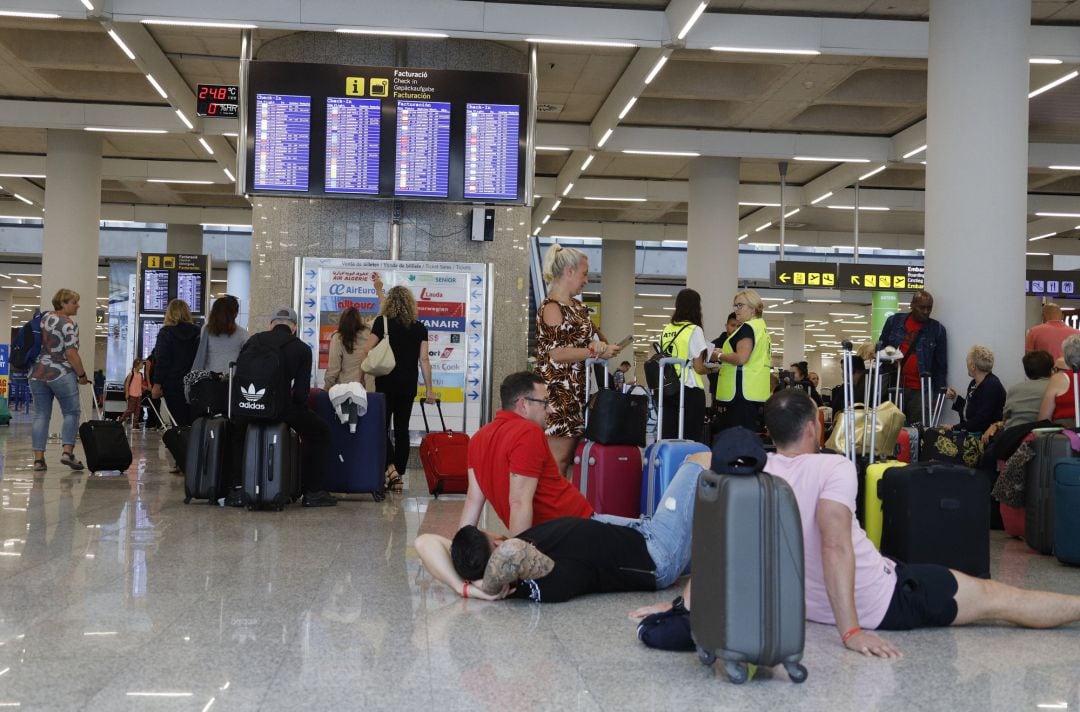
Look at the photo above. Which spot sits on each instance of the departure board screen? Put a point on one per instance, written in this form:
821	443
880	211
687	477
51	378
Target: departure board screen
491	150
282	137
148	336
368	132
155	290
422	158
189	287
352	145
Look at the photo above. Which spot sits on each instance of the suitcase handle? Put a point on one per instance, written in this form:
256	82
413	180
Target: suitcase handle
708	486
270	459
438	407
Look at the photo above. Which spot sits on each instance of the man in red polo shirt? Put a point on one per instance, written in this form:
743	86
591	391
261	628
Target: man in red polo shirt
511	465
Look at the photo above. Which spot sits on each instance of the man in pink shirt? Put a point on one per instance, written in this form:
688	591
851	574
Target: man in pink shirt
1048	335
849	584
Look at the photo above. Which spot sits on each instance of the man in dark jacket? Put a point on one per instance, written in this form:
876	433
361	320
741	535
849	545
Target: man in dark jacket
314	433
922	340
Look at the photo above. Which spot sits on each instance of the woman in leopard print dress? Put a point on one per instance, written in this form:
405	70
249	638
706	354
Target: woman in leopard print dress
565	338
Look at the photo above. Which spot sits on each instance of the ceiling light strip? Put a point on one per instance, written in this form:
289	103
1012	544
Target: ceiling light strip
684	154
915	152
693	19
818	199
583	43
157	87
1057	82
202	23
767	50
393	33
120	43
656	69
831	159
872	173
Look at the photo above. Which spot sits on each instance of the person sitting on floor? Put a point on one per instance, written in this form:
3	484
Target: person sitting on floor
511	465
567	557
849	584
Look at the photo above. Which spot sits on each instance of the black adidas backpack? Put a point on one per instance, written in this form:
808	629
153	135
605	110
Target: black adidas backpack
260	387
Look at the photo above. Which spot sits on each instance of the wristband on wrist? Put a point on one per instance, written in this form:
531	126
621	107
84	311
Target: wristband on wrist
854	631
465	589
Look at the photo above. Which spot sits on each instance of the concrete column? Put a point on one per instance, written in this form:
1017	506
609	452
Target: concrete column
794	339
5	334
712	238
617	283
70	237
976	177
184	239
238	284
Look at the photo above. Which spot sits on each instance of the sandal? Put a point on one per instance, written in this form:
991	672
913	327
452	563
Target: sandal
68	458
40	466
393	480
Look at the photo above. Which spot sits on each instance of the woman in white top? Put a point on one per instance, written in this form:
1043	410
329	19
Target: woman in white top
684	338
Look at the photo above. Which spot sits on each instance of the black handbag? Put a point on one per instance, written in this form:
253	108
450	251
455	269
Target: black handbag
617	418
672	379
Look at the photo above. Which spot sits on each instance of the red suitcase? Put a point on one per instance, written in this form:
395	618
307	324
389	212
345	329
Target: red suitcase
610	477
445	457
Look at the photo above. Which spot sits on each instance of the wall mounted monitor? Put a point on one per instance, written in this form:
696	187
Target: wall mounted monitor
155	290
385	132
189	287
148	331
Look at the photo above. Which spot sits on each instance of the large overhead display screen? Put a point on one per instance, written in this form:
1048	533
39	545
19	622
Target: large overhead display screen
386	132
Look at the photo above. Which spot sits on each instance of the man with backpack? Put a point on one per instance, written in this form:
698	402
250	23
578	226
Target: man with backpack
278	357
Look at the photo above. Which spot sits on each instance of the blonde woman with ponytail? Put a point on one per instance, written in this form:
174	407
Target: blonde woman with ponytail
565	338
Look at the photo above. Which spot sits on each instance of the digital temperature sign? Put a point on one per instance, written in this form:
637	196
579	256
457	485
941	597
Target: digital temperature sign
217	100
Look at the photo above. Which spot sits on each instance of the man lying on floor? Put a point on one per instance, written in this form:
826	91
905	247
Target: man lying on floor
849	584
570	556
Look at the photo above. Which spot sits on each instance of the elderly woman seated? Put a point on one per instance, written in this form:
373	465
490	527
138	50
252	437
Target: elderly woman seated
1057	402
1023	399
985	397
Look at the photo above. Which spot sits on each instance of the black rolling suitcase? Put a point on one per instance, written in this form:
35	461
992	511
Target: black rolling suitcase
937	514
176	438
749	601
207	456
105	444
271	465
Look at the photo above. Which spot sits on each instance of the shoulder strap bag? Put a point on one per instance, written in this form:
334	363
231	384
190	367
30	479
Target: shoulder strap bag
380	360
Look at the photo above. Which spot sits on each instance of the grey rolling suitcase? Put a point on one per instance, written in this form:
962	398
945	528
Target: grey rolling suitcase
271	467
207	456
748	593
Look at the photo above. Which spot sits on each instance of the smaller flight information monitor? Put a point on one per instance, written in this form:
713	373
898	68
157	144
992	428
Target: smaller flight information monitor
155	290
189	287
149	328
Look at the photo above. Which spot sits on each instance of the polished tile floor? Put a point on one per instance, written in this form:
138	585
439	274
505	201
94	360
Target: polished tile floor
114	595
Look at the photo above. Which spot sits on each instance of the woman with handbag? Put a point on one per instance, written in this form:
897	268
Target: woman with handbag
219	345
684	338
565	338
745	361
397	352
345	361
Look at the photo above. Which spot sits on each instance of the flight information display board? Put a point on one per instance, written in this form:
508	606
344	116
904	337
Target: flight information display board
422	150
352	145
148	336
491	160
189	287
283	134
386	132
155	290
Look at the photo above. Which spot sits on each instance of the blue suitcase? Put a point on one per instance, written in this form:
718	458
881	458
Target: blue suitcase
663	457
1067	511
355	461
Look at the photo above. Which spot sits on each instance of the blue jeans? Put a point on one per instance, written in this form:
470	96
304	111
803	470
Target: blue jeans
66	390
668	532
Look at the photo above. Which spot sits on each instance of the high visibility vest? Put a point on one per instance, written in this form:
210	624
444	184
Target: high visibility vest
675	339
752	376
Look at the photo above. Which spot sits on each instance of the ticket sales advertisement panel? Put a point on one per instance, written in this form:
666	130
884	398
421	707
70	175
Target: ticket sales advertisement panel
450	302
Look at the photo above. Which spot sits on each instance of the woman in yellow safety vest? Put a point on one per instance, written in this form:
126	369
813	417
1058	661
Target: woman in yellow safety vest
684	338
745	359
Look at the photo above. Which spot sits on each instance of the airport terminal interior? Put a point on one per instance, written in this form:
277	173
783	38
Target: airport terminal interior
834	155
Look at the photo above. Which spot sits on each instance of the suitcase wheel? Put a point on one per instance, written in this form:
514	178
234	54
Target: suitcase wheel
705	656
187	500
796	671
378	496
738	673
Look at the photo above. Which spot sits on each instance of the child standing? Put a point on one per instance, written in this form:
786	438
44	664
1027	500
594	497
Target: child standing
134	386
